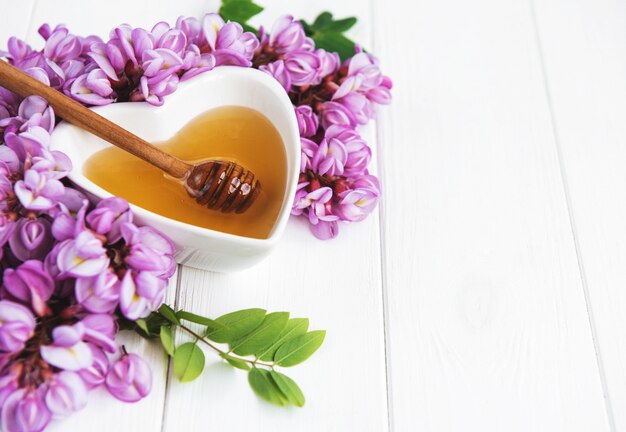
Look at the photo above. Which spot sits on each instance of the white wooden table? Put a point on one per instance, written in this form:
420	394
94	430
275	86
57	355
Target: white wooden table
489	291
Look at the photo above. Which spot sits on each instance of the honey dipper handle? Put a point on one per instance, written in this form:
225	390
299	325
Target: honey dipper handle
73	112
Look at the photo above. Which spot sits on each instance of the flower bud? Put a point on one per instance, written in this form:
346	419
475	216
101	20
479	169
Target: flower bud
130	378
17	325
25	410
66	393
32	239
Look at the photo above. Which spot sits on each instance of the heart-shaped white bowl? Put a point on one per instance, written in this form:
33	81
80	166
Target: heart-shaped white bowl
196	247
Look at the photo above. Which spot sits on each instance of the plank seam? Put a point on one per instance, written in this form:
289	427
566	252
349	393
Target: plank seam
568	202
382	245
169	360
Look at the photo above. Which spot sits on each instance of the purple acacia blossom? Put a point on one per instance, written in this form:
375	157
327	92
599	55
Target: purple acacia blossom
287	35
357	150
100	330
330	157
355	205
92	88
108	217
33	111
329	63
66	393
141	294
68	351
149	250
28	144
8	384
65	226
25	410
233	46
350	94
32	239
98	294
17	325
325	230
95	374
82	256
318	204
9	162
308	151
7	194
308	121
30	283
302	67
278	71
129	379
334	113
38	191
7	227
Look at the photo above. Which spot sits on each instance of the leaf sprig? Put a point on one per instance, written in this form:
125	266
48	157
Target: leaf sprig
326	31
258	342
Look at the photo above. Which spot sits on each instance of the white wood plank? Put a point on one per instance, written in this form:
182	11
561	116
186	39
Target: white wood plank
336	284
487	322
15	20
583	49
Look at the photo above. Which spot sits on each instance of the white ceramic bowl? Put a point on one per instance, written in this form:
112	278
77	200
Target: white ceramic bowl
196	247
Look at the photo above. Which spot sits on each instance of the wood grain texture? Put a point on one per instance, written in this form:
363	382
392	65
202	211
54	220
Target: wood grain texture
483	287
15	21
487	322
344	382
583	49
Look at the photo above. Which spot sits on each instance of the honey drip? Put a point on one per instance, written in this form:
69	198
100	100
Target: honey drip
240	134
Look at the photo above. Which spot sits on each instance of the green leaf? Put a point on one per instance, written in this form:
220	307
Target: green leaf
236	325
167	340
335	42
342	25
327	33
261	337
239	10
188	362
198	319
142	324
151	325
169	314
289	388
325	23
264	386
295	327
235	362
322	20
300	348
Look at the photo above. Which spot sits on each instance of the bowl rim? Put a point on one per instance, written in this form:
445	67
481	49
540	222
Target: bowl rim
77	177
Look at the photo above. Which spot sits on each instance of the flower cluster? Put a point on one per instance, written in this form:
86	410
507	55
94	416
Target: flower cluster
69	270
331	100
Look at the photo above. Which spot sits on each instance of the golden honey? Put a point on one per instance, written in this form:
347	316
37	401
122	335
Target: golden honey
240	134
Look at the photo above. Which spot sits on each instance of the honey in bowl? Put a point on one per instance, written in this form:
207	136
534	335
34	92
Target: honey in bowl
240	134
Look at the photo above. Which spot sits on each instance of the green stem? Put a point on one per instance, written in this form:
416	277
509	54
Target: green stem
254	362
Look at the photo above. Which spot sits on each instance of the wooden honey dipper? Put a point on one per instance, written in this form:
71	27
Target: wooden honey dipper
218	184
